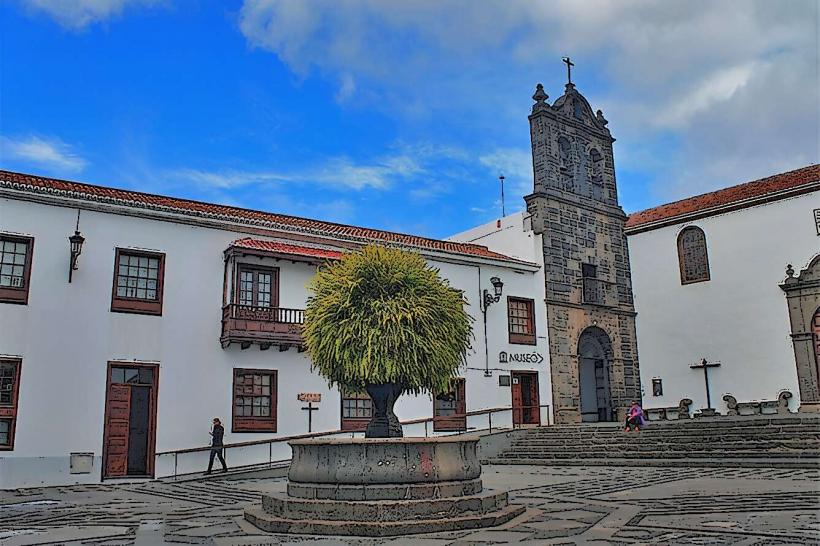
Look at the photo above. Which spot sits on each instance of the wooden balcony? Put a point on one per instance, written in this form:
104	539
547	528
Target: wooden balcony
266	326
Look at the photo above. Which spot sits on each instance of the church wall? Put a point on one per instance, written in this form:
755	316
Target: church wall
739	317
66	335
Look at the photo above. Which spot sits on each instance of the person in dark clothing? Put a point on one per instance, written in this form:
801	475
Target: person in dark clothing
216	446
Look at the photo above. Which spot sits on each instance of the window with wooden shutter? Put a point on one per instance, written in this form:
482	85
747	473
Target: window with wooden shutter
138	282
521	321
357	410
15	268
254	400
693	257
450	408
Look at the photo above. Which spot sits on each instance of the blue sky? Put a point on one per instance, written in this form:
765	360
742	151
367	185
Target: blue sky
399	115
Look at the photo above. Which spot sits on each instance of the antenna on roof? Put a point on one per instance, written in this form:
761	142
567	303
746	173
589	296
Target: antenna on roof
503	211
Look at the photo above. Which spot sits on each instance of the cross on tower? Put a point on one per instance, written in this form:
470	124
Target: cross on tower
569	64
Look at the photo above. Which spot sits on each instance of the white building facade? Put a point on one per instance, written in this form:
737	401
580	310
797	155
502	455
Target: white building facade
179	311
708	275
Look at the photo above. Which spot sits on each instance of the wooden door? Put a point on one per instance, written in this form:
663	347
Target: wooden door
130	420
450	409
118	410
525	399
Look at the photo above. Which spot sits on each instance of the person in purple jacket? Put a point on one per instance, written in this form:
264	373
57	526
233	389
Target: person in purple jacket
634	418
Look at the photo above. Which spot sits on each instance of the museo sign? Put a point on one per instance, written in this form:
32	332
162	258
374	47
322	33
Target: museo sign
529	358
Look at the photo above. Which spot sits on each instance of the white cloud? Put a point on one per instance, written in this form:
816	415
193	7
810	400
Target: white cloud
224	180
696	87
78	14
51	153
337	172
516	166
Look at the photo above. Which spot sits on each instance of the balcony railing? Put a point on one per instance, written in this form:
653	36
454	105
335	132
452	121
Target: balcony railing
246	324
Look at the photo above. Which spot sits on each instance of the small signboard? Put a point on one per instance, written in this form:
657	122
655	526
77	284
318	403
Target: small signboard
309	397
817	220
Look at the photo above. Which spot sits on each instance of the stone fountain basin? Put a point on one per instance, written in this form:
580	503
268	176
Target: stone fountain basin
365	461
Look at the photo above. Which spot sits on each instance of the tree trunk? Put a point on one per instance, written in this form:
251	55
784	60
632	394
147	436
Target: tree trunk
384	423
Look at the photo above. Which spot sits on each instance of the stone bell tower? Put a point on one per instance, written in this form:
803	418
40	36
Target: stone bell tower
590	313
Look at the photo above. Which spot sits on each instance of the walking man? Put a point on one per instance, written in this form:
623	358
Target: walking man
216	445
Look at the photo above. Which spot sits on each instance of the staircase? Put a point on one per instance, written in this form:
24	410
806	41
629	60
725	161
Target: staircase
782	442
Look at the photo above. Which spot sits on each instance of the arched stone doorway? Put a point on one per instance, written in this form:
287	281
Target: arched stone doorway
594	371
803	298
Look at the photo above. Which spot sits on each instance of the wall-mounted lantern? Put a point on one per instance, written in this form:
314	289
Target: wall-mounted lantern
489	299
76	242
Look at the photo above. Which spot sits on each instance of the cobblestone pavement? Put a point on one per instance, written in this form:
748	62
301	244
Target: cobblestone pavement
565	505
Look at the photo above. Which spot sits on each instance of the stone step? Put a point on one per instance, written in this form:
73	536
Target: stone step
274	524
637	440
376	491
663	454
292	508
651	445
671	431
719	421
683	425
763	462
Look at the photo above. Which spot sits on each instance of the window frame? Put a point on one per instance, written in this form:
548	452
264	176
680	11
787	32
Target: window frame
9	411
518	338
456	422
274	288
242	423
10	294
138	306
683	279
354	424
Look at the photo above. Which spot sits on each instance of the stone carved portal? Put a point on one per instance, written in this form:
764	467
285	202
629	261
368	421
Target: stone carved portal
594	365
803	299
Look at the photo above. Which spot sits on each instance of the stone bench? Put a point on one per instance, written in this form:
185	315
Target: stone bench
671	413
761	407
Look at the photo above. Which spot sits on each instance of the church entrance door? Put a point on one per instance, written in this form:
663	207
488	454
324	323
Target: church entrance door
594	357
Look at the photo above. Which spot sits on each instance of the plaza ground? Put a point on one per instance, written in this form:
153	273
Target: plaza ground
565	505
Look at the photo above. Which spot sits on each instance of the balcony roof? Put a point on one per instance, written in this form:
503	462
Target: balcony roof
286	250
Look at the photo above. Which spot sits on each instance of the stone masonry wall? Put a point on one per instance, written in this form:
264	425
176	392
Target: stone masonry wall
574	205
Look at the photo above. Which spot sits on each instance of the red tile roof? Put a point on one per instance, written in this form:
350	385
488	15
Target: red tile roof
285	248
53	186
735	197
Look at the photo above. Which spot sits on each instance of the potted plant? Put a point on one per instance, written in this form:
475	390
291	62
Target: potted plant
384	321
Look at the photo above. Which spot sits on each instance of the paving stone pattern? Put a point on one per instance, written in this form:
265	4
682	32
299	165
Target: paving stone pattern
565	505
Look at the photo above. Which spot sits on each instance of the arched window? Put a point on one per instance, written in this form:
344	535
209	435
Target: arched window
692	255
565	152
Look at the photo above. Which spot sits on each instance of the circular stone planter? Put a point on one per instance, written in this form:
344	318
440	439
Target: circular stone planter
383	487
364	461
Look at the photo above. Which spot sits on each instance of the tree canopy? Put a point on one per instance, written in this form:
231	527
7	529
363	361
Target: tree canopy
383	315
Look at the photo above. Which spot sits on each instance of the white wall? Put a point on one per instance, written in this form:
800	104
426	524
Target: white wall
738	318
511	235
66	335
